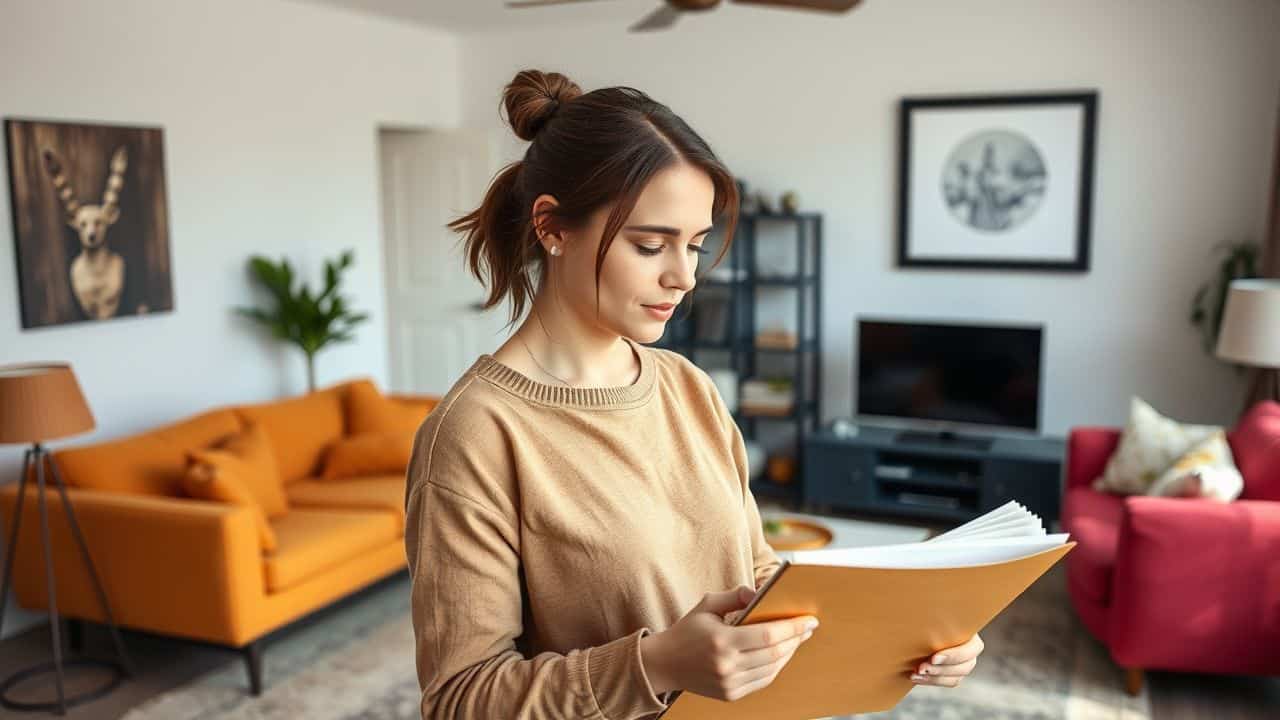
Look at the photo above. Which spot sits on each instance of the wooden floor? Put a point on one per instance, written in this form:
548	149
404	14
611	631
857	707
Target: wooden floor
164	663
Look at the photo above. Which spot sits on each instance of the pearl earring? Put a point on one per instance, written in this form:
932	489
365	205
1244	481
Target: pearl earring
555	250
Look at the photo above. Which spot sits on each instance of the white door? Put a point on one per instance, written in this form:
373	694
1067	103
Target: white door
435	328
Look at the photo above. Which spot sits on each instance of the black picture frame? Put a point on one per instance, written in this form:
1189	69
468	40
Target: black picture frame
1002	211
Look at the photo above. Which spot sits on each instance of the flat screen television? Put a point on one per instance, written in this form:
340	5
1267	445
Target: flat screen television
948	375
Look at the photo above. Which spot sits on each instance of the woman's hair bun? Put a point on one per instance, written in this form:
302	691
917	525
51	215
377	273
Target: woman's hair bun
532	97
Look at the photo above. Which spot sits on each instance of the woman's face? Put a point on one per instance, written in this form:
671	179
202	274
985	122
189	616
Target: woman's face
651	261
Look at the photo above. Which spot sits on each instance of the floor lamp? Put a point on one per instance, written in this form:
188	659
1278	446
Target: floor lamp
1250	332
41	402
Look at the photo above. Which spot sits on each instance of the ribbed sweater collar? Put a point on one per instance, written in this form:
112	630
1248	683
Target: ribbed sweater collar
519	384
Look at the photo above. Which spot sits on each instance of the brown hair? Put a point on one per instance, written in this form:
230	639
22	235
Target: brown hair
586	150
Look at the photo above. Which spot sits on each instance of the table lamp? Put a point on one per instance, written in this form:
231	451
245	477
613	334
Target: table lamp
1250	332
41	402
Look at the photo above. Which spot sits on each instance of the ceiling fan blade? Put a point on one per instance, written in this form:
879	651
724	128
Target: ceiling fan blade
660	19
540	3
834	6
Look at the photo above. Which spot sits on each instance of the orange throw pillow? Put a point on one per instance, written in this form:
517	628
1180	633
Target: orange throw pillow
248	455
368	410
206	482
372	453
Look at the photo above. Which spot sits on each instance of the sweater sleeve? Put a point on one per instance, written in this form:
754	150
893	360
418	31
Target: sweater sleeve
466	605
764	559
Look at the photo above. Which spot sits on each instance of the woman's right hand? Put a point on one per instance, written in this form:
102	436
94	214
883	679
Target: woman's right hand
702	654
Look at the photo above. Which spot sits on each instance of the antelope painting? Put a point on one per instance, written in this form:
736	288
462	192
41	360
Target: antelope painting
106	183
97	273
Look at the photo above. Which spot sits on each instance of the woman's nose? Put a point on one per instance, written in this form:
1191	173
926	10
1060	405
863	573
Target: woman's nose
682	274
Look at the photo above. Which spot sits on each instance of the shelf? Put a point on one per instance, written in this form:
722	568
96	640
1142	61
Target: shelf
765	281
786	281
778	216
764	487
808	407
741	345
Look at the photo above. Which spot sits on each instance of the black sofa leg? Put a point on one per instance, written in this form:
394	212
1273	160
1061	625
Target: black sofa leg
75	635
253	662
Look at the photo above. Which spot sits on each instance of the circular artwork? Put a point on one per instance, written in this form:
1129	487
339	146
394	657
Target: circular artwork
993	180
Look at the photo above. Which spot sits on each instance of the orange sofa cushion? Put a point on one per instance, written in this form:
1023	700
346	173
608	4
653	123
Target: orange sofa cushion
368	410
249	458
150	463
300	428
206	482
314	540
379	492
371	453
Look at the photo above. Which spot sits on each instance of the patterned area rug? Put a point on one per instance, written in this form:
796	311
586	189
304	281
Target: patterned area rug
1039	663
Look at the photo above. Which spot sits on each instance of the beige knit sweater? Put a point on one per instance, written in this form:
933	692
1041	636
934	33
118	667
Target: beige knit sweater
549	528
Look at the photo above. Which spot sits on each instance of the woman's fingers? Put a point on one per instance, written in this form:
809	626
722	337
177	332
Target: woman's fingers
767	655
960	669
765	634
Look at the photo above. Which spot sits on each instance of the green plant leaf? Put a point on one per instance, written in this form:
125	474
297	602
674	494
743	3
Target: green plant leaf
300	316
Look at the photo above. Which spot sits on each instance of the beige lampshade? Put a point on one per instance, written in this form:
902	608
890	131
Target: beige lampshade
39	402
1250	332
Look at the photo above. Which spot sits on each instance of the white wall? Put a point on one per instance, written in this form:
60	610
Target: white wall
270	113
794	100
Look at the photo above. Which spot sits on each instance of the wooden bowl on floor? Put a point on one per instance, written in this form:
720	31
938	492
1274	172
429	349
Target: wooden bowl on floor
799	534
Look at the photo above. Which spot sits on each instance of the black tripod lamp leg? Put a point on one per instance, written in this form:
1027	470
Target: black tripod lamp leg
48	566
88	561
13	534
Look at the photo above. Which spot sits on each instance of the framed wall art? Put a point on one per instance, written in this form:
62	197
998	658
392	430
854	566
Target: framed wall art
90	220
1003	182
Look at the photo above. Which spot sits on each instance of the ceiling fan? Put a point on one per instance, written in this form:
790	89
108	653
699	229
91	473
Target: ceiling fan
666	16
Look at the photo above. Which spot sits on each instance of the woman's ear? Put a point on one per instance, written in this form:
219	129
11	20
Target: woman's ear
544	224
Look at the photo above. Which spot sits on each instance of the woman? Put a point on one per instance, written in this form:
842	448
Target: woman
573	498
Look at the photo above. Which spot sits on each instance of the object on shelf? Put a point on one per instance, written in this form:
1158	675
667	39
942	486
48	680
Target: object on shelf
777	339
726	381
725	273
844	428
790	202
755	459
712	319
774	396
746	200
763	205
781	469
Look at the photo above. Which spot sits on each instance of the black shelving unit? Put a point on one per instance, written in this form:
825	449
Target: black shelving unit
739	340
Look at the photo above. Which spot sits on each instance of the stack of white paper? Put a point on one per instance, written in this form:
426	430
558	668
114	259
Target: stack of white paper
1006	533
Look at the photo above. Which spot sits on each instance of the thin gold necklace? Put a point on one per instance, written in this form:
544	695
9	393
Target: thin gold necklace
535	361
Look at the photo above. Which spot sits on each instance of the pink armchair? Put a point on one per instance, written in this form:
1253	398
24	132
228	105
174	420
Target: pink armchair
1175	584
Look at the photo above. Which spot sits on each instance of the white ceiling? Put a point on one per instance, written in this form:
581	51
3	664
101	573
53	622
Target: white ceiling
480	15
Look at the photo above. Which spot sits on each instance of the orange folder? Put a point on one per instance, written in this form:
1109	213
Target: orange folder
876	626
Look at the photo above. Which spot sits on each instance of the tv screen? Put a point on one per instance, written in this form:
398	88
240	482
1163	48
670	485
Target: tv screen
950	373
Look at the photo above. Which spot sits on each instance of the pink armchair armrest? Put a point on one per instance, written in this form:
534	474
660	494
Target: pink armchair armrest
1197	586
1088	449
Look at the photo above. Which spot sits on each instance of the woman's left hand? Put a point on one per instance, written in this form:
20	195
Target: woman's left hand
949	666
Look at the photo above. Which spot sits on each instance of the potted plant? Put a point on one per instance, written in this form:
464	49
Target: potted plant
300	316
1240	260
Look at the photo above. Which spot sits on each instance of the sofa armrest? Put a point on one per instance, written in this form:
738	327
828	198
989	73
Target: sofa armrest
1197	585
1088	450
175	566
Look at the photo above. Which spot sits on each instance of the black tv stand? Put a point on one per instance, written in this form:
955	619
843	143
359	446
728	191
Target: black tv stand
944	437
925	475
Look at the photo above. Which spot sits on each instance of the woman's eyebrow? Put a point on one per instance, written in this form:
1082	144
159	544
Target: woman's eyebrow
665	230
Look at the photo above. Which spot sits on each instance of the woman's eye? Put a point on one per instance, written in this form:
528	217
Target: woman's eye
646	250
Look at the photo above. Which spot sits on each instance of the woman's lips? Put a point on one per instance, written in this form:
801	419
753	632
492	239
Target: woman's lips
661	312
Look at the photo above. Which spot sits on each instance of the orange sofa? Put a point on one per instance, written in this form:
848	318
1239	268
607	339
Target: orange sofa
194	569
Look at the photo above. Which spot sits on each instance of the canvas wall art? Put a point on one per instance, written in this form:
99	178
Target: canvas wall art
90	220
